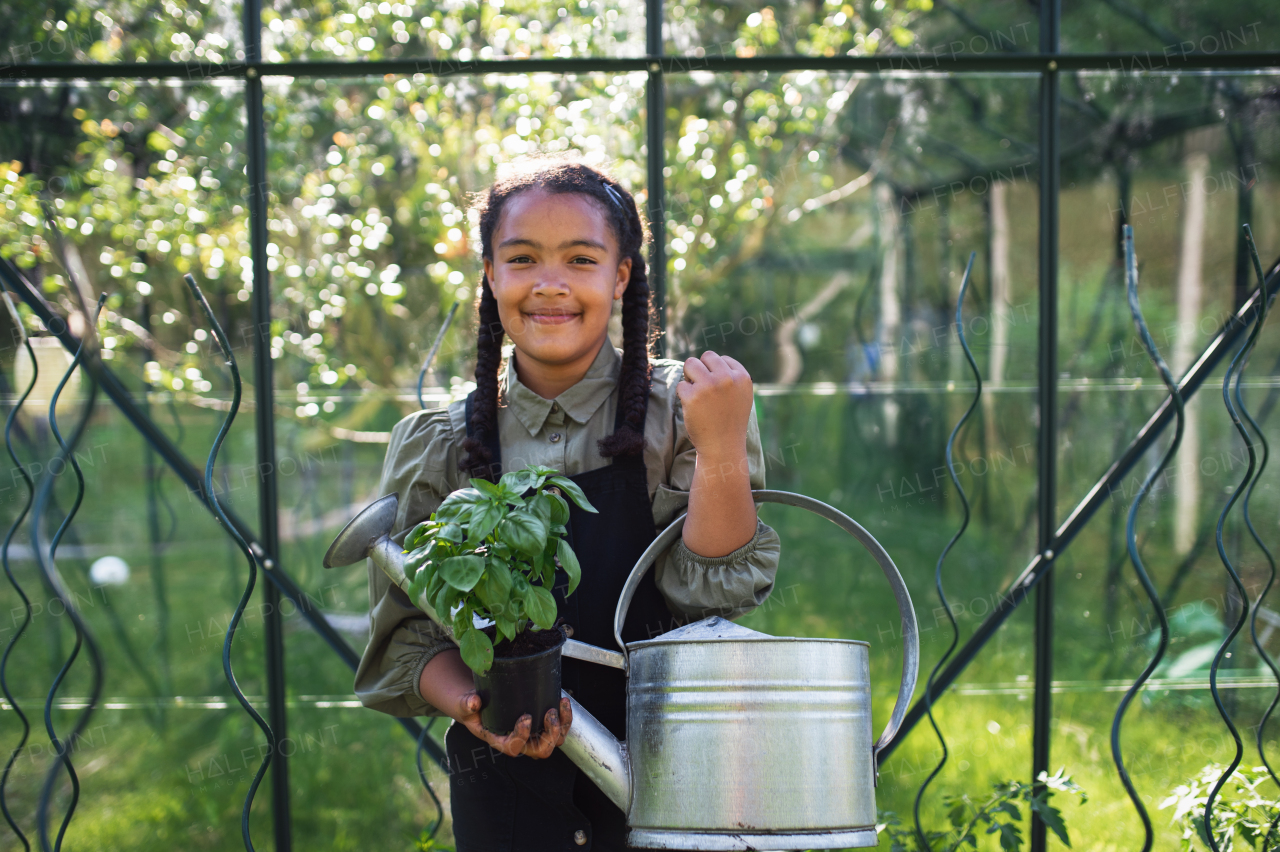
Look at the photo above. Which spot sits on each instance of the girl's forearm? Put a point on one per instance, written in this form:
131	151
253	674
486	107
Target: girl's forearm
722	515
445	680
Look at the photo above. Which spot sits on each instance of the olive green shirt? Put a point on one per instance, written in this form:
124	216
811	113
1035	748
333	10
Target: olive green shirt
422	466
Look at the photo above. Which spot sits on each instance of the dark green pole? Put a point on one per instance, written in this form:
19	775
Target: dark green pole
1042	728
264	417
655	130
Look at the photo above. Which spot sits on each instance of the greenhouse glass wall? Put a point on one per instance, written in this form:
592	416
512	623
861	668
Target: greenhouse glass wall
816	176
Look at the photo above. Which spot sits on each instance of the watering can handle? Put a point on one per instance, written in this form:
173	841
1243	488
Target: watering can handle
910	632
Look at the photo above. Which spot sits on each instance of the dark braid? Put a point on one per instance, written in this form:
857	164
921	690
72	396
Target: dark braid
628	225
484	415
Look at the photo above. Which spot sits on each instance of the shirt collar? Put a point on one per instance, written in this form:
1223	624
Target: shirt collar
579	401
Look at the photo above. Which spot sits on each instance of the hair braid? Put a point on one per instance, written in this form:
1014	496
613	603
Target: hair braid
634	378
484	414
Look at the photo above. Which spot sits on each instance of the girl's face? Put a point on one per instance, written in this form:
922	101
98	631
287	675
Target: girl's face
555	274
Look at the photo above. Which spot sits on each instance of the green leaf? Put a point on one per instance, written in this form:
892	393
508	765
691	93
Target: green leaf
462	620
462	572
444	600
568	486
506	626
434	585
418	535
541	507
523	531
458	513
569	562
559	510
462	497
1051	817
450	532
415	561
487	489
1010	837
517	481
495	586
483	522
541	607
477	650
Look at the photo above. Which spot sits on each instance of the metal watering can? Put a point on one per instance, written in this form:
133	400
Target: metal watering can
737	740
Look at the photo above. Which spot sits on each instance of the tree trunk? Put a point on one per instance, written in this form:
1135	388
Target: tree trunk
890	303
1186	507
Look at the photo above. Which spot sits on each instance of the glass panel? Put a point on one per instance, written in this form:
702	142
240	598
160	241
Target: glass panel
371	244
1183	158
818	226
202	32
451	31
1166	30
147	183
835	28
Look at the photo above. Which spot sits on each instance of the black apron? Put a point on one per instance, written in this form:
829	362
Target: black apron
520	804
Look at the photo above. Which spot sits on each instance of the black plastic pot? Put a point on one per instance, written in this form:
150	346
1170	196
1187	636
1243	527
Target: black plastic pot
515	686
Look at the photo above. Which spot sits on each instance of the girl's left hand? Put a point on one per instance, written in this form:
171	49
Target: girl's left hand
716	396
519	742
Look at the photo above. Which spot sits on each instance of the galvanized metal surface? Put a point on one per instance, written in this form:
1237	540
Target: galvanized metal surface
582	651
596	751
751	734
910	632
361	532
857	838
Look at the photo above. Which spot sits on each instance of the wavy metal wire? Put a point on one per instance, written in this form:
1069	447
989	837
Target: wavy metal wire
8	571
1117	755
422	738
214	503
1271	562
1231	374
937	573
422	735
45	560
59	749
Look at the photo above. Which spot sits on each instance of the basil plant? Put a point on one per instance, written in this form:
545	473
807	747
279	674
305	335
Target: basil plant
493	551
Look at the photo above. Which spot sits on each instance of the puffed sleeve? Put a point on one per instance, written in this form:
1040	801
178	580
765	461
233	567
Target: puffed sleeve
402	639
698	586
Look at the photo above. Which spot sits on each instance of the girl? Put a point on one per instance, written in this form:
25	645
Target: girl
643	437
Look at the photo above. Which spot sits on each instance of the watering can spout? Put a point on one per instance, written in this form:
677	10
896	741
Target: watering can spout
589	744
600	755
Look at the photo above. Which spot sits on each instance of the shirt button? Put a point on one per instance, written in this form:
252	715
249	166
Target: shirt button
555	438
580	837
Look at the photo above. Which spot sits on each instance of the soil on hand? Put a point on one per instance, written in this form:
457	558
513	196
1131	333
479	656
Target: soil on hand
526	643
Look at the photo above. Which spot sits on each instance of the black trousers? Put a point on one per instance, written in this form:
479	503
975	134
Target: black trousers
519	804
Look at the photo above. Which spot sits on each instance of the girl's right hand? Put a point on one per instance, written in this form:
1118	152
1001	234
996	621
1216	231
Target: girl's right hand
554	728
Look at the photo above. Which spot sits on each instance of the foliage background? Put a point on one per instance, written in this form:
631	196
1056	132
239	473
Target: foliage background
816	227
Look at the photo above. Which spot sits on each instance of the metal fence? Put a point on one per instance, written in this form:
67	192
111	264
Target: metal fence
1055	533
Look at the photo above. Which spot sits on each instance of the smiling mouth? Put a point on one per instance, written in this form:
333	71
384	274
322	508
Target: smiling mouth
550	317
